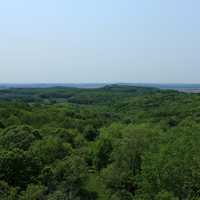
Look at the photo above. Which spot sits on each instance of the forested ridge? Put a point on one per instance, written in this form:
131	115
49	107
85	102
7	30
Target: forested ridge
111	143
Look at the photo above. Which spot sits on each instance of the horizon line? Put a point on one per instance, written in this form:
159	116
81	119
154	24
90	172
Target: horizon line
98	83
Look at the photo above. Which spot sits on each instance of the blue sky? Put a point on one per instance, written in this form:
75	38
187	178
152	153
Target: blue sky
77	41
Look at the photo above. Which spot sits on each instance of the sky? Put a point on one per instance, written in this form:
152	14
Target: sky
95	41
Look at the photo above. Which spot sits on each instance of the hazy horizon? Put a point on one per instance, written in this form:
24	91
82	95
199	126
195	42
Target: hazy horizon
58	41
103	82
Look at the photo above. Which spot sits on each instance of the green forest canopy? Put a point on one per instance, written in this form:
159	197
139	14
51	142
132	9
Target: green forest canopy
115	142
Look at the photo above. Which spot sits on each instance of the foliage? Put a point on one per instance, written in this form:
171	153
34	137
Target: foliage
116	142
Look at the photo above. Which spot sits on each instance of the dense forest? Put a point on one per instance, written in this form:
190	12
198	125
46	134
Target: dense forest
111	143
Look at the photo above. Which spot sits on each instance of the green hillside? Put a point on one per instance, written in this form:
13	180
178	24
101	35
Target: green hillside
113	143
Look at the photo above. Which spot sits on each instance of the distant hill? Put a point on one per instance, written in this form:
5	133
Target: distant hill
100	95
192	88
50	85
